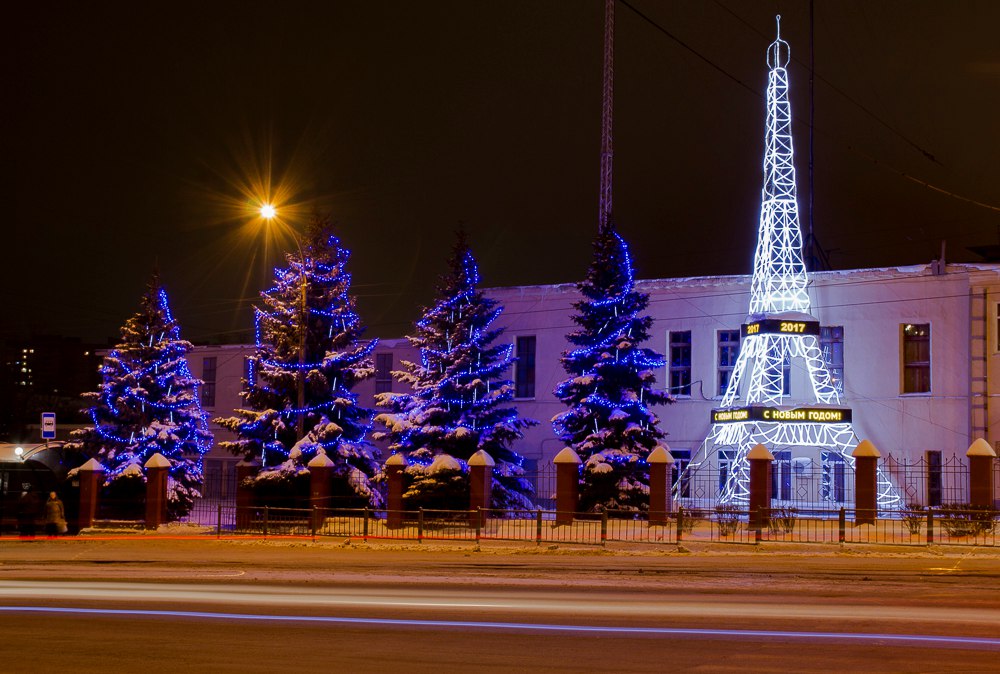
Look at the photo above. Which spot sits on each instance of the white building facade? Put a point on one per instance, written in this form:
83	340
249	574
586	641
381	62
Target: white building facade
915	352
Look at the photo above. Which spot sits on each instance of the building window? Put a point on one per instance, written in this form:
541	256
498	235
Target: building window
934	478
524	371
208	364
786	376
781	475
725	467
834	476
383	373
831	343
681	478
916	357
729	351
680	363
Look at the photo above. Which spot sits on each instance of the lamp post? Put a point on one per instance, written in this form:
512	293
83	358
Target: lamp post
268	212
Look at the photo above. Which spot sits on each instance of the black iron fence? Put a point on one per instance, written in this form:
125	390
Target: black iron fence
721	524
809	484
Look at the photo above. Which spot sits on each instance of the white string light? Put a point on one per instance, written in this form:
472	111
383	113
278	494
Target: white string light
778	291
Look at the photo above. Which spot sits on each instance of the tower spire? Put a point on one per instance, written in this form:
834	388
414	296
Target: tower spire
604	214
779	275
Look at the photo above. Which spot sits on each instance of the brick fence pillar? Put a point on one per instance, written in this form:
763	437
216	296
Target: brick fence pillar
660	471
90	475
156	490
866	458
981	458
567	485
395	465
244	494
760	480
480	481
320	476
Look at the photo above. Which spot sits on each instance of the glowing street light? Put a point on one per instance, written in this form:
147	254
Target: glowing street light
268	211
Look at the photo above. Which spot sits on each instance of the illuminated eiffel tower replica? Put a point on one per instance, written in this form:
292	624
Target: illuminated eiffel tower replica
781	333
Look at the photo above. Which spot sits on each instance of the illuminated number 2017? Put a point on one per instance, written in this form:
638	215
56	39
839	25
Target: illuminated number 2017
793	327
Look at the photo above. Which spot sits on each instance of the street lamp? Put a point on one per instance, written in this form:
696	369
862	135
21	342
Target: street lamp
268	212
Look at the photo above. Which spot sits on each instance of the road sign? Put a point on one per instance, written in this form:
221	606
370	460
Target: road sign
48	425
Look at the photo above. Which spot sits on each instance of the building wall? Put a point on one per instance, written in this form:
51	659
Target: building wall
871	306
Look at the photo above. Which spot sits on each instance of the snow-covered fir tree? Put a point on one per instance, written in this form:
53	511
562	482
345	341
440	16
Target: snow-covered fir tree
298	400
460	392
148	403
610	390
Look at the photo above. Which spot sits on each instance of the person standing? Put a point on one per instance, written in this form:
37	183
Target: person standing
55	516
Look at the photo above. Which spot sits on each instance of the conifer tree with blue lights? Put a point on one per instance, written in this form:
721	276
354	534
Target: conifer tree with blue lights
298	399
148	402
459	396
610	391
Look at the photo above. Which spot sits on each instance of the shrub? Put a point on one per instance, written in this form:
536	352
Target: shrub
782	520
914	517
966	519
727	517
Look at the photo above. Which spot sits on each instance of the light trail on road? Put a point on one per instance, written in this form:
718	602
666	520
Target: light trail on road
652	606
982	642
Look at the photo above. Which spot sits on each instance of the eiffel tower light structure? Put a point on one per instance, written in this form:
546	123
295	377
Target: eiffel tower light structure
780	333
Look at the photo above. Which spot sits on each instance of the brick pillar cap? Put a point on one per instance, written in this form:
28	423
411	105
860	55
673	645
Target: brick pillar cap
157	461
482	458
660	454
321	460
444	462
760	453
981	448
864	449
567	455
397	460
92	464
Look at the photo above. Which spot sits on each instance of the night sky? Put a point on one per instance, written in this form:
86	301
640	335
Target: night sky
135	130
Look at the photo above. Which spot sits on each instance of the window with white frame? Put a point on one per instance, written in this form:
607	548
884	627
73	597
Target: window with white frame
681	480
524	370
383	372
208	375
916	356
729	351
831	343
680	363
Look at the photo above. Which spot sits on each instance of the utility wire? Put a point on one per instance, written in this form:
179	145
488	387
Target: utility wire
848	145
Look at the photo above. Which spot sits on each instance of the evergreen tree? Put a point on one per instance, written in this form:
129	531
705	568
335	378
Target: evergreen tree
298	400
610	391
148	402
459	390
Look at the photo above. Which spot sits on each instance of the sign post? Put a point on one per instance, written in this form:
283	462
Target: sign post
48	426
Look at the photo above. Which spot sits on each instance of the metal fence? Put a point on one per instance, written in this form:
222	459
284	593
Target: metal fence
808	484
803	483
722	524
928	482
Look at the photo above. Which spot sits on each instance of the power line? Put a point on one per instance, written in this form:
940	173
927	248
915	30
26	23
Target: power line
850	147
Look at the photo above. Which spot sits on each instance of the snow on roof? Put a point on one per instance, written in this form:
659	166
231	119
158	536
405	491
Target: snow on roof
742	279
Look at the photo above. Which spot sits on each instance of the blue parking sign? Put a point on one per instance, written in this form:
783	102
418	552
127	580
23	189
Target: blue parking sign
48	425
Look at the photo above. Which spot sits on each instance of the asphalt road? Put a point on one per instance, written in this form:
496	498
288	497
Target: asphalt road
232	607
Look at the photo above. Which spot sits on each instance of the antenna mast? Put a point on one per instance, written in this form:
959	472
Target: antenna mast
604	215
